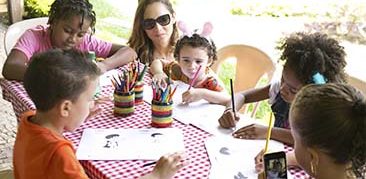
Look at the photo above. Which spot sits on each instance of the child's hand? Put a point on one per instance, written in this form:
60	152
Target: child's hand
168	165
95	110
228	120
253	131
160	79
191	95
259	167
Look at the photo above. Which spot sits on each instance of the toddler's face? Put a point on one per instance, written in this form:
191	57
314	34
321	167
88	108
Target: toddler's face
81	107
66	34
290	85
191	58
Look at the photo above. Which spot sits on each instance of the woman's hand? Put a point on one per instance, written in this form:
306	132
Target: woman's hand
228	119
253	131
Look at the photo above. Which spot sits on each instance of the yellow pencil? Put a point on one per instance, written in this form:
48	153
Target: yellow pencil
268	133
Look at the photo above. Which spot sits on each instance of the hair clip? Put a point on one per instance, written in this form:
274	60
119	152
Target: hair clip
319	78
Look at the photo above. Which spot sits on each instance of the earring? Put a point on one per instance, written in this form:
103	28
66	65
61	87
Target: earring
313	168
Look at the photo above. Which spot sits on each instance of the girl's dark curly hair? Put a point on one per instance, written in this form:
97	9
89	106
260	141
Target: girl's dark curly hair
197	41
332	117
64	9
307	54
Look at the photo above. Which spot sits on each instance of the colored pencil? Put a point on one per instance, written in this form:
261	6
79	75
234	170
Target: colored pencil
194	77
268	133
232	96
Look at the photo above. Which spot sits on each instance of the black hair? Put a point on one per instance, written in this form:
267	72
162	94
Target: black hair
64	9
58	75
197	41
307	54
332	117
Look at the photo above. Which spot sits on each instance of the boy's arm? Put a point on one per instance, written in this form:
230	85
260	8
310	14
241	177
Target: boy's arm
282	135
15	65
119	55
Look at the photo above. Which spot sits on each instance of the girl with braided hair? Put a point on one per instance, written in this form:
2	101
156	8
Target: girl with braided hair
308	58
70	25
328	124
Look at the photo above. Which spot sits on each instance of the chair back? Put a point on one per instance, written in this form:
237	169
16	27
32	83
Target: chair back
17	29
251	65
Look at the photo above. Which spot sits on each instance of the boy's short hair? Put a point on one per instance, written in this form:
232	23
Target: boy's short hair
58	75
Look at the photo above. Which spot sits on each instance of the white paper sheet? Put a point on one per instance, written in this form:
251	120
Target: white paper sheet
234	158
129	144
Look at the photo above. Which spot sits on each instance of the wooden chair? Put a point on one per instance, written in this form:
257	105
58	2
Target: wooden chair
357	83
17	29
251	65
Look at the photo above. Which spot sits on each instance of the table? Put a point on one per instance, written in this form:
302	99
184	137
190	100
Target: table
194	138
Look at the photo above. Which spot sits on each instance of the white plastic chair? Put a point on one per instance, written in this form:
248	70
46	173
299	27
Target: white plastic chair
17	29
251	64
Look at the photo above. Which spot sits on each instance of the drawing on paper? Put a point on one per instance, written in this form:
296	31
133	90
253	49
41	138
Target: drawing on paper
111	141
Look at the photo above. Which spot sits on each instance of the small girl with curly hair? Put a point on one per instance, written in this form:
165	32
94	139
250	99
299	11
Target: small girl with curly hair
194	54
328	124
70	26
308	58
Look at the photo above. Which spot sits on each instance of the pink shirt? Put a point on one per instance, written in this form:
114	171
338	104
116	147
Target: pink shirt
37	40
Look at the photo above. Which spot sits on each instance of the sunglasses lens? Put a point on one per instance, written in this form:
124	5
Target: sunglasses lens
163	20
148	24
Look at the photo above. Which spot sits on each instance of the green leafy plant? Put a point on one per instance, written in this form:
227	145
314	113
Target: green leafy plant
36	8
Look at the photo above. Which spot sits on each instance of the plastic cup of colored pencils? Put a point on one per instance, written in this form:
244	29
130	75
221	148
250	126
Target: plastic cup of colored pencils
139	92
124	103
161	114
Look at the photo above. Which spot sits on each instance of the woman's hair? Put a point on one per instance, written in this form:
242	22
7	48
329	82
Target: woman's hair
57	75
332	117
139	41
64	9
197	41
308	54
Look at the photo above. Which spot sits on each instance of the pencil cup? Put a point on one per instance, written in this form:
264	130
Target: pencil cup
161	114
139	92
124	103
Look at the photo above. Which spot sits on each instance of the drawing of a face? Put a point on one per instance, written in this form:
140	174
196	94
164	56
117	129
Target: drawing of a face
157	136
224	151
111	141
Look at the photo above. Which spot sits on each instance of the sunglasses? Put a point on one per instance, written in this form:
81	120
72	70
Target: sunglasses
149	24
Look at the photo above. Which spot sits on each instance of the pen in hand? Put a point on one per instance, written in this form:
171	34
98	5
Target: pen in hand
148	164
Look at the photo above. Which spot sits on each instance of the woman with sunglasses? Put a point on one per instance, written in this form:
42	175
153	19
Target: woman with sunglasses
154	34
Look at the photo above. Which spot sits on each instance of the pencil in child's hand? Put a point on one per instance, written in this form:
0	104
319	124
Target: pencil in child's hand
268	133
232	96
194	77
148	164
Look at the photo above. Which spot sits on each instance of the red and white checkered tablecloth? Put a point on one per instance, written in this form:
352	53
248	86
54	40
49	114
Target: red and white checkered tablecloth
199	164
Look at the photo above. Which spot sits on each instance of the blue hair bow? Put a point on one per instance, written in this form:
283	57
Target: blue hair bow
319	78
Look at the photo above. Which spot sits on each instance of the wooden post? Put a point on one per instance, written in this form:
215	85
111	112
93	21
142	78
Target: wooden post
15	10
